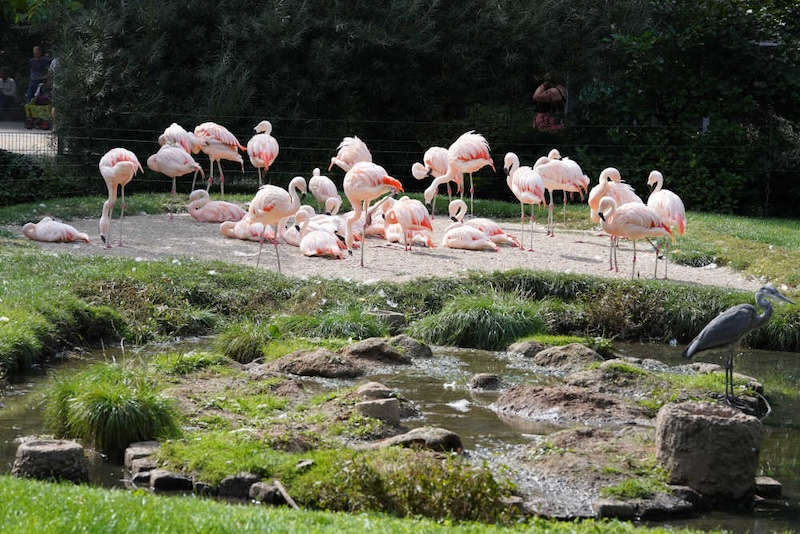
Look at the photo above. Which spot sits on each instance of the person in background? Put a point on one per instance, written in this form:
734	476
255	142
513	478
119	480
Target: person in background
39	70
549	99
8	92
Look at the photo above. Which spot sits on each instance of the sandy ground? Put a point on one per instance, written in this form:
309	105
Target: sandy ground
149	237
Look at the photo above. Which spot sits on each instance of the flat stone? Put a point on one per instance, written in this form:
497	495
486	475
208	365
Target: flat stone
572	357
147	463
614	509
377	350
411	347
266	494
485	381
237	486
438	439
688	494
662	506
51	459
387	410
141	479
163	480
768	487
140	449
319	362
529	349
373	390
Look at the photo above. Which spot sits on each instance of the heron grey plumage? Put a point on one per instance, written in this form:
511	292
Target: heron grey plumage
730	326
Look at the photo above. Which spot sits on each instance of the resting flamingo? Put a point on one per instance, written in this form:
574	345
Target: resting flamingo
51	231
349	152
204	210
363	183
221	144
316	242
173	162
118	167
176	135
244	229
527	186
467	154
631	221
669	207
560	174
435	165
610	184
271	204
323	189
262	148
458	209
413	218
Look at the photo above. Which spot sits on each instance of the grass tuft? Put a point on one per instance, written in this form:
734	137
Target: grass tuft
176	363
243	341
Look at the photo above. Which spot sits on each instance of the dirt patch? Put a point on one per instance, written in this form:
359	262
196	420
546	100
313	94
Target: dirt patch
154	237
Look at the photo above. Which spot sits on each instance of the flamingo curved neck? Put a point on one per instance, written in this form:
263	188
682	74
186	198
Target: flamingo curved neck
462	211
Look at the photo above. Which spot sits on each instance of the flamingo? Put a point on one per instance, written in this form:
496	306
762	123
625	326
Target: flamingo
221	144
176	135
610	184
118	167
669	207
290	233
323	190
203	210
262	149
458	209
435	165
316	242
349	152
467	237
563	174
468	154
363	183
173	162
412	216
245	229
527	185
271	204
52	231
632	221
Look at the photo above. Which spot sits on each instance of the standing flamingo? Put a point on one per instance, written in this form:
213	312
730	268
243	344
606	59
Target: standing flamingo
221	144
560	174
324	189
631	221
467	154
363	183
669	207
118	167
610	184
413	218
173	162
204	210
458	209
349	152
271	204
527	186
262	148
435	165
49	230
176	135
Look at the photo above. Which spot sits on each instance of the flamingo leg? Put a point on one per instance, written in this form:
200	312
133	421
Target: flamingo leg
108	210
616	246
121	215
173	193
364	241
522	224
550	215
221	180
194	179
259	176
611	253
532	220
471	196
565	207
210	175
260	246
277	255
667	247
633	267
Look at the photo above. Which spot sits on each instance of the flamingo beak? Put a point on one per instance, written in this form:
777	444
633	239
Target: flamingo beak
296	227
603	217
453	219
651	186
383	216
350	252
507	170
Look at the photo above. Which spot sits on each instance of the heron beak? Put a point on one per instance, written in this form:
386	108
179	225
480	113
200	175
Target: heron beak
785	299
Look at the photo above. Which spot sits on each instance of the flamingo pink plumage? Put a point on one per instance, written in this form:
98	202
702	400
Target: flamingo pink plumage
527	186
262	148
363	183
245	229
459	235
413	218
220	144
271	204
458	209
118	167
173	161
610	184
176	135
315	242
560	174
669	207
349	152
323	190
204	210
469	153
49	230
435	165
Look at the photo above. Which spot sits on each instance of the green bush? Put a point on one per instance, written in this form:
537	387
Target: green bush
350	322
243	341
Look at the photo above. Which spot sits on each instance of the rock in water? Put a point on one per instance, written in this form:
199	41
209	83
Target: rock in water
709	447
529	349
387	410
410	347
51	459
438	439
377	350
570	357
485	381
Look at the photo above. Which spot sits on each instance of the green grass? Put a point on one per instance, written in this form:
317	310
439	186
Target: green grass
183	363
350	322
243	340
603	346
83	509
250	406
108	406
635	488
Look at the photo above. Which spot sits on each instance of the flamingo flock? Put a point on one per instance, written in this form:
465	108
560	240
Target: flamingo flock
277	216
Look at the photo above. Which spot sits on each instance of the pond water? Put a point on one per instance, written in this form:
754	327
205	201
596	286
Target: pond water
439	387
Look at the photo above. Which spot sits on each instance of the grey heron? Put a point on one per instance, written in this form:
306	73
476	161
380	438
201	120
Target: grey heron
728	328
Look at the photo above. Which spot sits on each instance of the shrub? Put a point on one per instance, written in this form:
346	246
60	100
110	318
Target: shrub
350	322
243	341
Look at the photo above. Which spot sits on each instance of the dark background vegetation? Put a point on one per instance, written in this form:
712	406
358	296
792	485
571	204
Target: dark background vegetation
404	75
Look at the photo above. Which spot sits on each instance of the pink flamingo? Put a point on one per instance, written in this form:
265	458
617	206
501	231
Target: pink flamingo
118	167
323	190
561	174
412	216
631	221
458	209
349	152
244	229
49	230
468	154
271	204
317	242
669	207
435	165
262	148
467	237
610	184
203	210
221	144
173	162
363	183
527	185
176	135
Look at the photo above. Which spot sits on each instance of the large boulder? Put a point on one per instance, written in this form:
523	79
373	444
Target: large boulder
529	349
163	480
387	410
140	449
266	494
376	350
438	439
488	381
570	357
373	390
237	486
319	362
410	347
51	459
709	447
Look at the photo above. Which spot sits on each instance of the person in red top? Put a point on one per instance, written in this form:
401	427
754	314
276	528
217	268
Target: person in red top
549	98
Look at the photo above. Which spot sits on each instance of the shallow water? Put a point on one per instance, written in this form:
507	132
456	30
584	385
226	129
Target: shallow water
439	386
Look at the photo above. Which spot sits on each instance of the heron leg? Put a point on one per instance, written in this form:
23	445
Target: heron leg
121	215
